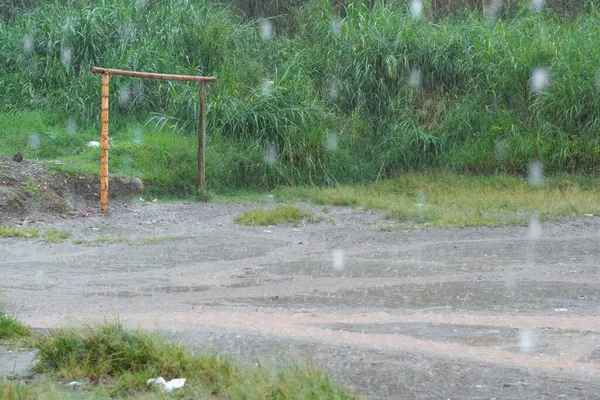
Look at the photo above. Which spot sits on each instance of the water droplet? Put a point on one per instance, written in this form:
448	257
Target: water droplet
266	87
421	199
336	25
266	29
137	135
271	154
540	79
28	44
65	55
33	141
126	33
332	141
535	173
141	3
527	340
332	88
537	5
534	230
71	126
494	8
338	259
124	96
416	8
414	79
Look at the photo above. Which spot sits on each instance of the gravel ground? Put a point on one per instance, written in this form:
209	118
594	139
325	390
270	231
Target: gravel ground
510	312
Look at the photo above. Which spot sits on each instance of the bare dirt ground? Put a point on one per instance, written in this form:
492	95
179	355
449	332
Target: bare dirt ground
426	313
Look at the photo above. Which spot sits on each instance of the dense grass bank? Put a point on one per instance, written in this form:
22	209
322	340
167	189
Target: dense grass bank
110	362
358	93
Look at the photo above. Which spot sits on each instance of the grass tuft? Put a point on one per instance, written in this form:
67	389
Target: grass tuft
276	216
18	232
56	236
452	200
11	328
123	360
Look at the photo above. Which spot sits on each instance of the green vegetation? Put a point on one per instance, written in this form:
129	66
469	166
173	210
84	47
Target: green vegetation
447	200
11	328
356	93
276	216
56	236
18	232
122	361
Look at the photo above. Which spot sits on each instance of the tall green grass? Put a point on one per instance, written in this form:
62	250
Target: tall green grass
358	92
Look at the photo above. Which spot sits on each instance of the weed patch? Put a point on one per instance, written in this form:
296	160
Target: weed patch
18	232
56	236
123	360
451	200
11	328
276	216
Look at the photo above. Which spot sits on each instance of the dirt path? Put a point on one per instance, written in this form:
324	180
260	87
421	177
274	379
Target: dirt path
455	313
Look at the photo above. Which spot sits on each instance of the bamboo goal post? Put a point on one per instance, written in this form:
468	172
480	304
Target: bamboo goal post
106	73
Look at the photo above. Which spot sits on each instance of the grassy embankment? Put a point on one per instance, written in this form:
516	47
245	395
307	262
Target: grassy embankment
109	361
366	97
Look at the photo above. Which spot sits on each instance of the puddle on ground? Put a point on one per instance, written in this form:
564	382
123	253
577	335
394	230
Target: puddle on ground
499	297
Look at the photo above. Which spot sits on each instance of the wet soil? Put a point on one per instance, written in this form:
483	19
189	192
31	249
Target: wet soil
422	313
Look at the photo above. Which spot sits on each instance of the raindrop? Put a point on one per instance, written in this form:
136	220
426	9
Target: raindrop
137	135
332	141
28	44
65	55
266	29
338	259
537	5
271	154
540	79
126	33
501	150
414	80
336	25
534	230
53	135
494	8
527	340
266	87
421	198
71	126
33	141
332	88
141	3
124	96
535	173
416	8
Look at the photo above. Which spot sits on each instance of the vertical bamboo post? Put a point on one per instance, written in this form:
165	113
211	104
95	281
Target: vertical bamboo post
104	146
202	137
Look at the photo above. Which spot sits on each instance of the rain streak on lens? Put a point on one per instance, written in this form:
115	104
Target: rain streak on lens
416	8
28	44
332	88
527	340
271	154
537	5
266	29
414	80
124	96
540	79
65	55
137	135
332	142
141	3
266	87
494	8
534	230
71	126
535	173
338	259
33	141
336	25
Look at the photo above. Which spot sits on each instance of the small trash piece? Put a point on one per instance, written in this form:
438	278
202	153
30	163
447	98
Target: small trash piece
167	386
93	144
74	384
